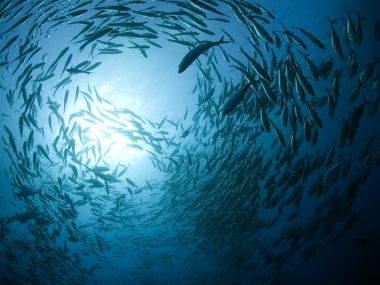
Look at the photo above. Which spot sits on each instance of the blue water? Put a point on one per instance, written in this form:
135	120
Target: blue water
131	177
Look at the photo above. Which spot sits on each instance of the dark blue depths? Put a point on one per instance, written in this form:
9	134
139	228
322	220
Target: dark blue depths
140	148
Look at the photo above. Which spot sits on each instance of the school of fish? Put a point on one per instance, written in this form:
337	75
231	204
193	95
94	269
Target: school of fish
237	168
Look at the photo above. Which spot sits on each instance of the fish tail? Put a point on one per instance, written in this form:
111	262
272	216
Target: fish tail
360	17
222	41
361	84
366	101
331	21
251	81
283	26
347	11
303	53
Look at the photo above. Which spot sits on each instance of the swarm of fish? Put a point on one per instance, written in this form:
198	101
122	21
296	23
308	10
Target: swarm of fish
252	153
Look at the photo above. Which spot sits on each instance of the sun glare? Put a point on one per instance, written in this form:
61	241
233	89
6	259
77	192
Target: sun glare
114	145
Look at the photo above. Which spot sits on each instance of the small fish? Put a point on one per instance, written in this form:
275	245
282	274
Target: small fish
65	100
335	41
235	99
291	37
352	64
268	91
325	68
367	72
9	44
68	60
260	31
203	6
350	28
311	66
349	223
355	92
42	150
359	29
130	182
99	242
256	66
19	22
264	119
311	37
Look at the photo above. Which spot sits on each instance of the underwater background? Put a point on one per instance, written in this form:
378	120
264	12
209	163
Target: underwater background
189	142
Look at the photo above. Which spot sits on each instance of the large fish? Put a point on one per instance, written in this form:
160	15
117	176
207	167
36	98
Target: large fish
192	55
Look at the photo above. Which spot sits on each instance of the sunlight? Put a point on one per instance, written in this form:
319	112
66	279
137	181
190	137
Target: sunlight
105	89
114	145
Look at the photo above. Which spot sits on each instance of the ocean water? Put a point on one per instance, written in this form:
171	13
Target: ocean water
116	168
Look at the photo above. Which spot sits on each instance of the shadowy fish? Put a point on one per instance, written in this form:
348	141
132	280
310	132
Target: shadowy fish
192	55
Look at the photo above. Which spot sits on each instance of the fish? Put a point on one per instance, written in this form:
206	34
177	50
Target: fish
271	124
194	53
10	42
359	29
291	37
236	98
260	31
55	62
324	68
334	39
304	82
21	21
129	181
367	72
311	66
352	64
264	120
204	6
268	91
98	241
239	14
311	37
349	223
355	92
91	37
350	28
65	100
257	67
314	116
23	217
